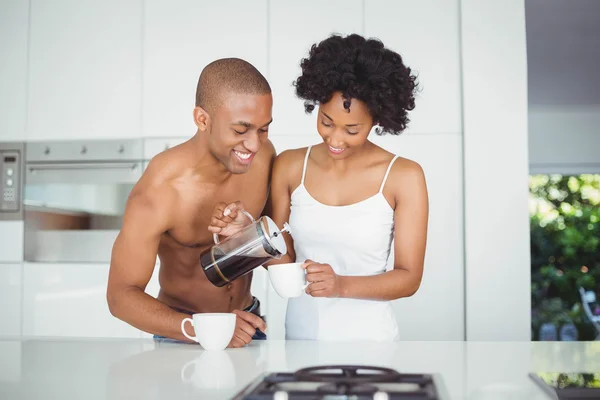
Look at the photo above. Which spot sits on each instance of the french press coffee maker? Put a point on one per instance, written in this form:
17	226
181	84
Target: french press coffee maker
238	254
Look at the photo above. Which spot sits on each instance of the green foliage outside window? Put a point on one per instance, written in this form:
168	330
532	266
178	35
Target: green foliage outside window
565	249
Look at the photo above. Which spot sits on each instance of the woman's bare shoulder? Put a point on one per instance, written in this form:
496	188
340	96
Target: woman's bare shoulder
289	165
406	175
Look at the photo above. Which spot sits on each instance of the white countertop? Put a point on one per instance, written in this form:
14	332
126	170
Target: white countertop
147	369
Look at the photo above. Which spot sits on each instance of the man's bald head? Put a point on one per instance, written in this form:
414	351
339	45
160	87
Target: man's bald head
228	75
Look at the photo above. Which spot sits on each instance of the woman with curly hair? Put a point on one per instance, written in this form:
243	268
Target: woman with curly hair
347	198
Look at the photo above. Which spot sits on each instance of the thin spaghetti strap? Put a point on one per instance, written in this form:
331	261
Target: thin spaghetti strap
387	173
304	167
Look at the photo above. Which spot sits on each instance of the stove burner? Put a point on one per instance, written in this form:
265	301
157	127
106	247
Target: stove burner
349	374
341	382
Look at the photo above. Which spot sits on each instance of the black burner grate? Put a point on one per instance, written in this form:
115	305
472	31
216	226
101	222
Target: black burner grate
341	382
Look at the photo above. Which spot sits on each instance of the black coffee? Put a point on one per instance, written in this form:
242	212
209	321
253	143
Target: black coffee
231	267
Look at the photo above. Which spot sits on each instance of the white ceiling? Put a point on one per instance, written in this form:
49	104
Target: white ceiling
563	51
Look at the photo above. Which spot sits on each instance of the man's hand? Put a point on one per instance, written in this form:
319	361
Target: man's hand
324	282
246	325
228	219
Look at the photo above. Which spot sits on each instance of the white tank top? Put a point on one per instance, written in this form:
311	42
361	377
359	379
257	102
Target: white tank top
355	240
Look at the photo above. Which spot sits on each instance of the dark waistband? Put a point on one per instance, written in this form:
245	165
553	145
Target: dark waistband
253	308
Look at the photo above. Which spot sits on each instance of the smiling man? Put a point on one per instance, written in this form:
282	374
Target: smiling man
168	211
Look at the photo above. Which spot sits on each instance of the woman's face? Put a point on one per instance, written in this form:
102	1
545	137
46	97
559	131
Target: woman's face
344	132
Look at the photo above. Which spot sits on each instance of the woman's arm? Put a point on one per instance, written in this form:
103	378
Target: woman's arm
407	183
284	172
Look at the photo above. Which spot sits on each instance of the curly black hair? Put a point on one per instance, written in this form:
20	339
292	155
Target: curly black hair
360	69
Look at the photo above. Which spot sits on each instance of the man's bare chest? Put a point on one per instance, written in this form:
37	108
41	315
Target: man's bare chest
193	217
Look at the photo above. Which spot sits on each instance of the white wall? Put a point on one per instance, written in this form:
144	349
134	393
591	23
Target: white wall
564	138
495	149
145	86
13	68
564	86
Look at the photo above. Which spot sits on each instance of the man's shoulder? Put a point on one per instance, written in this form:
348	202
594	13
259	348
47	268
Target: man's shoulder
267	153
154	187
269	148
167	165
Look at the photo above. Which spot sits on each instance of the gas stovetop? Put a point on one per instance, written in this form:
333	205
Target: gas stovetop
343	382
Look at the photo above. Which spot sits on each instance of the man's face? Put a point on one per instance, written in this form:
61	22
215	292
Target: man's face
238	128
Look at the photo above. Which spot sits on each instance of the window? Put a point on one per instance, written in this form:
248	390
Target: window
565	256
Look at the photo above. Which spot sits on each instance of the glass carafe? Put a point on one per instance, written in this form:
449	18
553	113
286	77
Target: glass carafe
239	254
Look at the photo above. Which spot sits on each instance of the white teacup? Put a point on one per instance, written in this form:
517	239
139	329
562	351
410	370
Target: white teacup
288	280
213	330
211	370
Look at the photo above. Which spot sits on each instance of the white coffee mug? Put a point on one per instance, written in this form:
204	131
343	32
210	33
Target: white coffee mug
213	330
288	280
211	370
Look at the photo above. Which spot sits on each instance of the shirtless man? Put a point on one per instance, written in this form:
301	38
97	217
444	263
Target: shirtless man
168	211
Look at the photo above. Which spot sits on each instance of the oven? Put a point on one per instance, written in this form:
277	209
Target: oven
74	197
11	208
11	167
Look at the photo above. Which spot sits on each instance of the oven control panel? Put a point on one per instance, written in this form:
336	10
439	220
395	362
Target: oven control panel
10	180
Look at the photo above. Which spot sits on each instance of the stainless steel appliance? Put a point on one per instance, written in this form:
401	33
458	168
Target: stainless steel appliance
74	197
11	181
344	382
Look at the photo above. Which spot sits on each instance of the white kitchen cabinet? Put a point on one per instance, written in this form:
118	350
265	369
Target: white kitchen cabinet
14	15
69	300
84	69
180	38
294	27
260	286
275	310
426	33
11	278
11	241
436	311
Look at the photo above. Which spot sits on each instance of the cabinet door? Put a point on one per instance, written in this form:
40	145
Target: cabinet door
84	69
426	34
180	38
294	27
14	16
11	278
69	300
436	311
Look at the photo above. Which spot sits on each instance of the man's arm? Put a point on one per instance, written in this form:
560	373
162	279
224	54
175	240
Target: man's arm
132	262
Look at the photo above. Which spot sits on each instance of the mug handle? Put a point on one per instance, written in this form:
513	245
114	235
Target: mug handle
183	329
246	213
185	367
306	283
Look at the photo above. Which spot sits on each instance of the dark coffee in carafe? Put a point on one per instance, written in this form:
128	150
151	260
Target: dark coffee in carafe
256	244
221	269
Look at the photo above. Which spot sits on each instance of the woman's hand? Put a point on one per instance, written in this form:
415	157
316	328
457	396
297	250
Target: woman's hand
228	219
324	282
